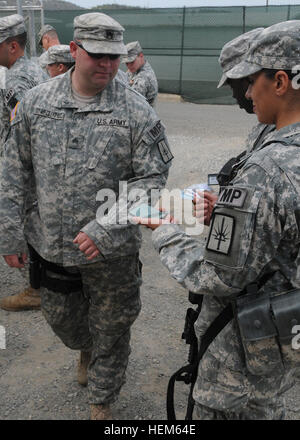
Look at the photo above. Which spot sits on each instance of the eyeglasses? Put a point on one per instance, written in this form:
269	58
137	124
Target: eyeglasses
98	56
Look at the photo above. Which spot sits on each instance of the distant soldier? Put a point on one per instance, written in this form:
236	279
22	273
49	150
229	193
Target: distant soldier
22	75
141	75
48	37
57	60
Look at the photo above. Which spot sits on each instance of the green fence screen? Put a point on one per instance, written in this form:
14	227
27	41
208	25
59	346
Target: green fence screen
183	45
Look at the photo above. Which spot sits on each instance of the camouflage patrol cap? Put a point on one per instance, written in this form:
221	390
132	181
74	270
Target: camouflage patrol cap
277	47
43	31
59	53
11	26
134	49
235	51
99	33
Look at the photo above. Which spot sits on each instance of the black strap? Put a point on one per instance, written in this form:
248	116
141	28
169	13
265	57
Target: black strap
211	333
41	274
188	373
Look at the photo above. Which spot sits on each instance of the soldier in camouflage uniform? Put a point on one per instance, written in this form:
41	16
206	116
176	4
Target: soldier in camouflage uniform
57	60
232	54
141	76
77	134
255	233
47	37
22	75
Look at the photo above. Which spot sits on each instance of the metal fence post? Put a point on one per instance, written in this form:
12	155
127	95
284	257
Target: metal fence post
288	12
42	13
32	33
19	6
244	19
181	52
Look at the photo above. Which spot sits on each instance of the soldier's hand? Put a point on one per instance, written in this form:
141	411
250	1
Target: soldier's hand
204	203
16	260
154	222
86	245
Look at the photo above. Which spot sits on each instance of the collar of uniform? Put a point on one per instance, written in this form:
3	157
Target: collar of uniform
20	60
66	100
141	68
292	130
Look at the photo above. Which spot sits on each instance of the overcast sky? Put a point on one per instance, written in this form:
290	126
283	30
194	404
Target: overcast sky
181	3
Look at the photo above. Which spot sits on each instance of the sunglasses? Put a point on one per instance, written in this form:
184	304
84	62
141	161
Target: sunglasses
98	56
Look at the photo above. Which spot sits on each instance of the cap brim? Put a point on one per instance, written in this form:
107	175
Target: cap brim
128	59
113	47
222	81
44	60
243	69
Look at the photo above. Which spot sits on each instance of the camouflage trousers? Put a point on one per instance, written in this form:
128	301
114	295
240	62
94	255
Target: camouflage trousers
99	318
252	412
222	393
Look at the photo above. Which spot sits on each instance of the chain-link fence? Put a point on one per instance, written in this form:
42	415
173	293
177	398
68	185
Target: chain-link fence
181	44
33	16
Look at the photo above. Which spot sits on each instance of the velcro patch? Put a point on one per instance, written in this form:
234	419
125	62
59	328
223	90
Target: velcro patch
49	113
221	234
232	196
165	151
10	99
14	112
156	131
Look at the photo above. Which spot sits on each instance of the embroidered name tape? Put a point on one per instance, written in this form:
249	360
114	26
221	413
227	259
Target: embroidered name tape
221	234
49	113
232	196
112	122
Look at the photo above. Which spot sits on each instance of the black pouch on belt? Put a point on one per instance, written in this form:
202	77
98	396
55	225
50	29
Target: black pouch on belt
268	324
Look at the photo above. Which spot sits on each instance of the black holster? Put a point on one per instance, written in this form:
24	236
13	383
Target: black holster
34	268
56	278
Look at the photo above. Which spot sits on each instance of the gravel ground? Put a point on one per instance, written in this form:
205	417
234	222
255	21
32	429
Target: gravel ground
38	373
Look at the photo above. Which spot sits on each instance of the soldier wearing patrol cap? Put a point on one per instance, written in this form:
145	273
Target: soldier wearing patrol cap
249	268
232	54
22	75
141	76
57	60
78	134
48	37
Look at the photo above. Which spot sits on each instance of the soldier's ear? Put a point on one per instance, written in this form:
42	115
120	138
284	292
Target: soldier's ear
13	46
281	82
73	49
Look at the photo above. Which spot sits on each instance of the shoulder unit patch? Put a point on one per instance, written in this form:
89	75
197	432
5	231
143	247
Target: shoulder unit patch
221	234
